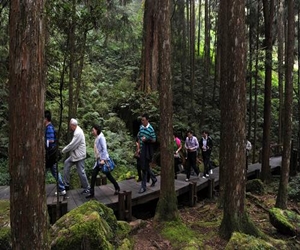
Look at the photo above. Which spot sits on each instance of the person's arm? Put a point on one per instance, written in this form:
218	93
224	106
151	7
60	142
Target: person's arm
196	144
73	144
102	149
178	142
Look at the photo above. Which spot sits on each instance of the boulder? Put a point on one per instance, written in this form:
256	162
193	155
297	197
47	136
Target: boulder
255	186
89	226
245	241
285	221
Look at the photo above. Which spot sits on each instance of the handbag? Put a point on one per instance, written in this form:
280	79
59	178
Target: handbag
108	166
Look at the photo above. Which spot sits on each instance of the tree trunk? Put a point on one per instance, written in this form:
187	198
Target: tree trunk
28	210
149	67
255	107
268	9
280	68
167	204
192	57
233	117
281	201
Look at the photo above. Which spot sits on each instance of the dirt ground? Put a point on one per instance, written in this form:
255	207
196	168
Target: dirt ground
148	237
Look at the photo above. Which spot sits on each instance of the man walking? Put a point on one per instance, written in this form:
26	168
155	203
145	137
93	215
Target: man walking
147	137
77	149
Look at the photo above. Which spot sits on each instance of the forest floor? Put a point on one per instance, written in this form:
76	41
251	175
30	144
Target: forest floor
204	219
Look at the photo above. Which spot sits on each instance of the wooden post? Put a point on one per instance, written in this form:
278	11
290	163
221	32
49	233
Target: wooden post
128	206
121	205
103	180
211	187
257	173
192	194
125	206
98	180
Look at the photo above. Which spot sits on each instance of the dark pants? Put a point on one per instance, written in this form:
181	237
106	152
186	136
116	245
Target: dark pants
108	176
192	159
138	167
206	161
176	168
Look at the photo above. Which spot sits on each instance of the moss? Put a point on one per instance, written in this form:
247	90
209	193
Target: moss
255	186
285	221
5	232
244	241
124	229
126	244
181	236
92	225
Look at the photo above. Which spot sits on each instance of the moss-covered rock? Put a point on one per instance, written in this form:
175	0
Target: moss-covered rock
285	221
244	241
255	186
90	226
5	232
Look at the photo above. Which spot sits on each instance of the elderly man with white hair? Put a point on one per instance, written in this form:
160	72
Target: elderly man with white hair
77	149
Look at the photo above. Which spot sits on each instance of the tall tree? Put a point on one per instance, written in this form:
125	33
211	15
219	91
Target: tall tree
233	117
281	200
280	34
28	211
167	204
268	10
149	67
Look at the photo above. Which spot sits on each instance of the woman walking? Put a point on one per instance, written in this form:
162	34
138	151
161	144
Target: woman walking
101	155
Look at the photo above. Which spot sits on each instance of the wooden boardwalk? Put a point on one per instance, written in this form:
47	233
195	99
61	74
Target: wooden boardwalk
105	193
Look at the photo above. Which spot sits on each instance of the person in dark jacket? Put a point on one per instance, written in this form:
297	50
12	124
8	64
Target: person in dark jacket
206	145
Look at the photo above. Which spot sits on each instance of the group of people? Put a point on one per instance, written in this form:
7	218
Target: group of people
77	154
144	153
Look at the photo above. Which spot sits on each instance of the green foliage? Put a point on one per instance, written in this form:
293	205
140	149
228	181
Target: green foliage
294	188
181	235
4	172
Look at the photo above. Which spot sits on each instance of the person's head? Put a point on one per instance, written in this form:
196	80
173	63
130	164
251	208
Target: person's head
96	130
73	124
189	133
47	116
204	133
145	119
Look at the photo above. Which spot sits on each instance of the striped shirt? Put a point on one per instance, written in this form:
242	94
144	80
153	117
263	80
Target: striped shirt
147	132
50	136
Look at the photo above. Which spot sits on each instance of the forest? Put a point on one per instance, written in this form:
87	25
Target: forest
229	67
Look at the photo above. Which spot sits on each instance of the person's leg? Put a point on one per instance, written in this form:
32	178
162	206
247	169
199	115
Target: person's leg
61	185
176	169
144	180
194	162
139	170
67	167
93	181
188	166
113	181
152	176
82	175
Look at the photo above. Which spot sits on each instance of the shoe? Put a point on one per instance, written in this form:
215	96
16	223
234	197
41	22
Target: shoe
62	193
207	175
142	190
211	172
187	179
117	191
153	183
86	191
89	196
203	177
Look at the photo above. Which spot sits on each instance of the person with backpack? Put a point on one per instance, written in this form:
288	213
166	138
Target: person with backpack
51	148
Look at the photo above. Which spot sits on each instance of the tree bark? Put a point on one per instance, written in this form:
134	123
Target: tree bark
233	117
268	10
149	67
28	210
281	201
167	204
